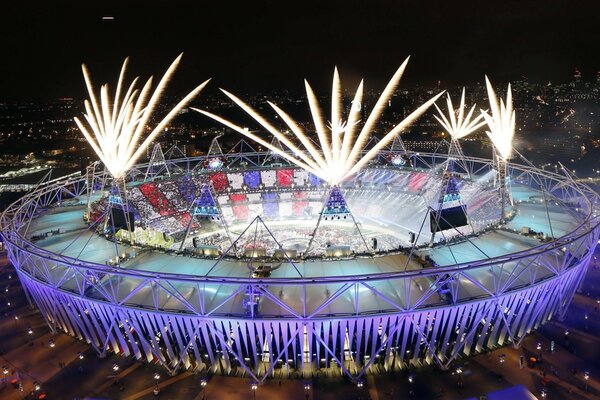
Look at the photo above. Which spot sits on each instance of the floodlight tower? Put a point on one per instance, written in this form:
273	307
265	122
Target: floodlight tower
457	125
501	125
115	127
398	154
157	165
204	206
214	149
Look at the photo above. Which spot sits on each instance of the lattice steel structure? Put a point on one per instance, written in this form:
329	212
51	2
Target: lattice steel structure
300	324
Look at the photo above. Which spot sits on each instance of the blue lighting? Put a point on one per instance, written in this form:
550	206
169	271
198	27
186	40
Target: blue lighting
452	190
451	197
335	204
205	204
114	196
252	179
270	205
115	199
315	180
187	188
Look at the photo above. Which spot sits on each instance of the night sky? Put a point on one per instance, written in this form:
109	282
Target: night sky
263	46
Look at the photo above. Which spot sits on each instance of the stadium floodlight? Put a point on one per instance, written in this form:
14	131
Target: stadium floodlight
501	123
114	131
341	144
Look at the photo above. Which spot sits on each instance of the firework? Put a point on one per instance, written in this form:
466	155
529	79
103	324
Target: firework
115	131
341	145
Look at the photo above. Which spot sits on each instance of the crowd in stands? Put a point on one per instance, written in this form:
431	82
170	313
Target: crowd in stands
393	196
161	205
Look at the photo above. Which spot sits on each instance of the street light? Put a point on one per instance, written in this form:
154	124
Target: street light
156	378
80	357
586	378
254	387
202	386
539	346
306	389
359	385
51	343
36	386
411	380
459	372
30	331
115	368
543	393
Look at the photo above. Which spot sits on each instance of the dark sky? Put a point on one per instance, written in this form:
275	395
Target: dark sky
251	45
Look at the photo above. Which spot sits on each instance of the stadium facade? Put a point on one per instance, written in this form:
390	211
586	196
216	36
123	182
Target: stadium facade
220	267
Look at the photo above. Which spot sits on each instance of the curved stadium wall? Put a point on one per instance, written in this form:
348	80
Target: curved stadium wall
349	324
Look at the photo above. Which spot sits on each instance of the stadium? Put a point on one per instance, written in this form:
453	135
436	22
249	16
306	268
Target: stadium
246	263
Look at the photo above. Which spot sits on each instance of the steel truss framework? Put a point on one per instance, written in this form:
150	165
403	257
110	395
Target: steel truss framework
184	329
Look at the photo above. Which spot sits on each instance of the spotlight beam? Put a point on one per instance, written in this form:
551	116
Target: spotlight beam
336	116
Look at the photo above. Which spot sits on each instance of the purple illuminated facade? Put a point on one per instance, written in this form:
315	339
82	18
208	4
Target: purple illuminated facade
368	310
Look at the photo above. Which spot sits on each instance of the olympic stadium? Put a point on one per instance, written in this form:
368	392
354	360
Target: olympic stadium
256	263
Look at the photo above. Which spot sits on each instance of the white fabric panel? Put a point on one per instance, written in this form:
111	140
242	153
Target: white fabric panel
222	200
236	180
254	197
268	178
285	209
254	210
300	177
